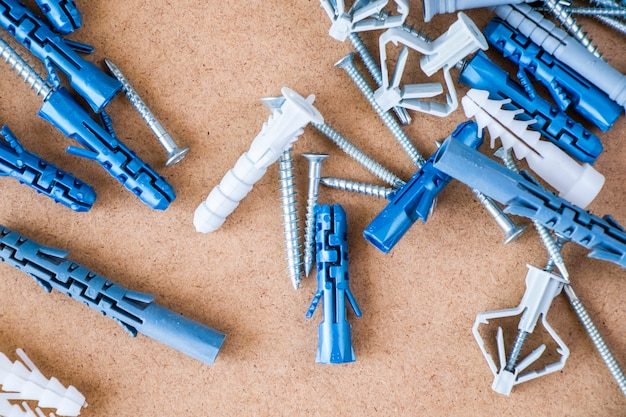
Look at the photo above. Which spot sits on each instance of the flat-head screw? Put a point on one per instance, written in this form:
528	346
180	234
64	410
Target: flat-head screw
347	64
315	171
174	152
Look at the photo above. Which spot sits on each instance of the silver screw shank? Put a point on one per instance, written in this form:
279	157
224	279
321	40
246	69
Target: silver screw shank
357	187
290	218
347	64
174	152
359	156
315	170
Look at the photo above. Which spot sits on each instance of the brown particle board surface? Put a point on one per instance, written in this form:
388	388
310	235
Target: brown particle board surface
202	68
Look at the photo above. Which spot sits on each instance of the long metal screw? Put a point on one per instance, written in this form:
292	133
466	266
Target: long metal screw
347	64
357	187
315	170
358	155
174	152
290	218
544	233
569	23
24	70
374	70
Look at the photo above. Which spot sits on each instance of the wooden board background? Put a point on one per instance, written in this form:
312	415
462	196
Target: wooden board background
202	67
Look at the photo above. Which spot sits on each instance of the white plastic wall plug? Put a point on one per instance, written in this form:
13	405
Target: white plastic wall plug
541	288
460	40
577	183
360	16
278	133
23	381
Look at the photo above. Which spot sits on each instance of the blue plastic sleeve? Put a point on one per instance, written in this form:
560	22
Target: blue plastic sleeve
121	163
414	200
523	197
135	311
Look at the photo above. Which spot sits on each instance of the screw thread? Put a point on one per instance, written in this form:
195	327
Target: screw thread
357	187
591	11
612	23
174	151
516	351
597	339
309	235
24	70
387	119
290	218
569	23
359	156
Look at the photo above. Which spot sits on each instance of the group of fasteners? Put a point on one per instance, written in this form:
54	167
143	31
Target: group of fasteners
415	199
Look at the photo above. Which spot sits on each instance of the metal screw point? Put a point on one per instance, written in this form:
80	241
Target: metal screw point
315	170
347	64
174	152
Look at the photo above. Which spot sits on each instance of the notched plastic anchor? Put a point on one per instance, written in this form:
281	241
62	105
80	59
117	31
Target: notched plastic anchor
460	40
362	16
541	288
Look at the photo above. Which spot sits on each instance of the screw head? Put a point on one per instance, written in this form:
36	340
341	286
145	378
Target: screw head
315	158
514	233
176	156
346	61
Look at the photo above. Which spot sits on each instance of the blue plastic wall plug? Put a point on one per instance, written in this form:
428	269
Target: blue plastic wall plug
93	84
566	86
62	14
60	109
524	197
136	312
42	176
553	124
414	200
331	239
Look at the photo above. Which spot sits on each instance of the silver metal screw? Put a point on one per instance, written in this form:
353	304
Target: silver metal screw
569	23
613	23
358	155
24	70
511	230
290	218
347	64
357	187
520	339
315	170
374	70
174	152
